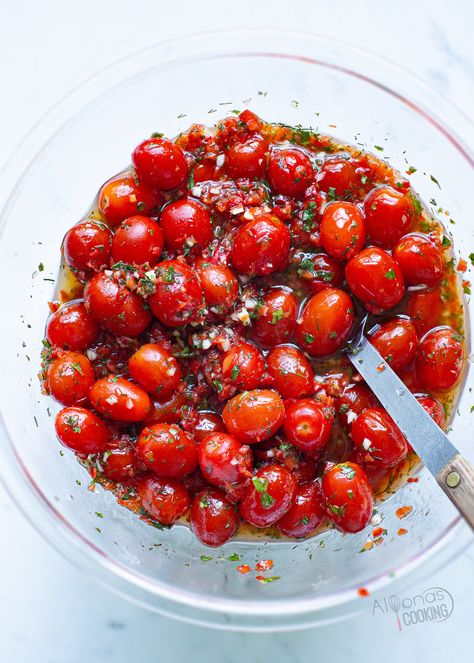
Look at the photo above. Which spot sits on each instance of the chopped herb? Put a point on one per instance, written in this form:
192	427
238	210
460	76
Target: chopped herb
235	373
234	558
390	274
433	179
206	558
309	338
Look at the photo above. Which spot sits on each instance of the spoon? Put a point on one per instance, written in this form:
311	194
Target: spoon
454	474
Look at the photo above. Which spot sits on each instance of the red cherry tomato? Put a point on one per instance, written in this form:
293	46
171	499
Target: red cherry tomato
155	369
378	439
178	298
425	309
160	163
81	430
166	500
388	215
115	308
325	323
308	425
269	496
439	359
167	450
72	327
120	464
219	285
348	496
420	260
70	377
253	416
261	246
339	176
396	340
169	410
204	171
247	159
342	230
354	399
276	318
124	196
207	422
376	279
120	399
224	461
137	240
290	172
306	513
186	223
243	366
291	372
214	519
319	270
433	407
87	247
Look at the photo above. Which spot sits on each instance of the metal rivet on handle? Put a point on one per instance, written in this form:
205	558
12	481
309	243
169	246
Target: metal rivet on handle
453	479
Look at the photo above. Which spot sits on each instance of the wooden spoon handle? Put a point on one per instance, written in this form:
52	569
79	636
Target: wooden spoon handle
456	478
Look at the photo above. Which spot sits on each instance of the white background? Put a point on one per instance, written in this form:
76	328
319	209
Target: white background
49	612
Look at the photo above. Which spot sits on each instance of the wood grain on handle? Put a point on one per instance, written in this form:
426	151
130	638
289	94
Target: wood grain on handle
457	480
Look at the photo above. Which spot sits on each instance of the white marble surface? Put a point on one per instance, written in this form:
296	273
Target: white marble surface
50	613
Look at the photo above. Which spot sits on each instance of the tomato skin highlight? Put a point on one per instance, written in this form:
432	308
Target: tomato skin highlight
439	359
388	215
253	416
224	461
160	163
72	327
291	372
378	438
419	259
70	377
342	230
308	425
81	430
397	341
167	450
120	399
261	246
376	279
186	223
306	513
155	370
348	496
214	519
269	496
166	500
138	240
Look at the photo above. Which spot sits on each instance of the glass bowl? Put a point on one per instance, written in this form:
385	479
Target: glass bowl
287	77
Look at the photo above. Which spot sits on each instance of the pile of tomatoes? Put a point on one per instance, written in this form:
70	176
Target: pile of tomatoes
222	274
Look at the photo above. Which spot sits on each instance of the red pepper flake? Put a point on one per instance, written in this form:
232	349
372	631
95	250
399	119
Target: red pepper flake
403	511
401	531
378	531
244	568
363	591
378	541
380	368
413	479
462	265
264	565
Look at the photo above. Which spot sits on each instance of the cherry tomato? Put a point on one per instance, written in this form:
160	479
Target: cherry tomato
338	176
348	496
305	514
70	376
425	308
186	223
137	240
396	340
81	430
439	359
120	464
243	366
253	416
290	172
388	215
433	407
120	399
155	369
319	270
167	450
87	247
178	298
325	323
219	285
166	500
204	171
160	163
124	196
342	230
276	318
420	260
247	159
376	279
378	439
354	399
269	496
207	422
214	519
115	308
291	372
168	410
72	327
224	461
308	425
261	246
